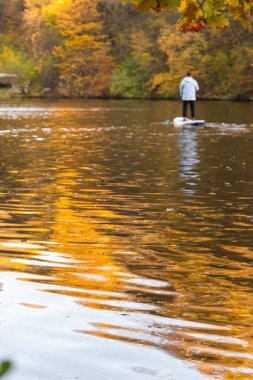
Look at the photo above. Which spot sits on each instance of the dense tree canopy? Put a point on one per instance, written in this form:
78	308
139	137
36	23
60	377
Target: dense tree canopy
102	48
83	57
197	13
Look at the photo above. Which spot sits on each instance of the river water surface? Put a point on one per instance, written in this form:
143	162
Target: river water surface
126	245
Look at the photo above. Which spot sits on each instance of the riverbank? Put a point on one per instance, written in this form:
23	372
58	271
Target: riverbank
6	94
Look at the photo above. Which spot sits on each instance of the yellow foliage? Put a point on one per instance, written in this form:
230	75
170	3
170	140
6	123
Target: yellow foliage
84	62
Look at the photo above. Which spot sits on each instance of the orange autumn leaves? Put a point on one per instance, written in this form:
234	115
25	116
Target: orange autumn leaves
97	48
84	62
195	14
67	40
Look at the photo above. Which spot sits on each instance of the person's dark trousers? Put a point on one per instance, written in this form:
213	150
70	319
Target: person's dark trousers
192	106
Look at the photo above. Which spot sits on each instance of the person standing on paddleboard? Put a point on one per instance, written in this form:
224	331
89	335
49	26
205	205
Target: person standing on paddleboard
188	89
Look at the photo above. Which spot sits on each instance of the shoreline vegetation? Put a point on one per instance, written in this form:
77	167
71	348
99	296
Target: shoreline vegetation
103	49
59	97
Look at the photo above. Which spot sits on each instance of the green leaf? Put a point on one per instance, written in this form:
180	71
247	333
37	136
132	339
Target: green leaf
4	367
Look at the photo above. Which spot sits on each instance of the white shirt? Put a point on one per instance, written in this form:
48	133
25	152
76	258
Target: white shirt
188	88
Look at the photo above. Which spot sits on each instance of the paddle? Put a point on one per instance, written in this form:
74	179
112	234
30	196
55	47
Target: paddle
167	122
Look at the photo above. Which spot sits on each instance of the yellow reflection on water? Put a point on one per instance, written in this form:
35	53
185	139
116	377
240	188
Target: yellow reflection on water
158	265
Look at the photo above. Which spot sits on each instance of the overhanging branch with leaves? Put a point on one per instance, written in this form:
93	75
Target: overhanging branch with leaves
197	14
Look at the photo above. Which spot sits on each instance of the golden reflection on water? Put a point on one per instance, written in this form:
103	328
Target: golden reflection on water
94	216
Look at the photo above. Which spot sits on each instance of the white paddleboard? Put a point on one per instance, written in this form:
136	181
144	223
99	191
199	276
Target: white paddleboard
180	121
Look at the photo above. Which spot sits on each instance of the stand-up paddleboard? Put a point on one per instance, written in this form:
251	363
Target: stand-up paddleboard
181	121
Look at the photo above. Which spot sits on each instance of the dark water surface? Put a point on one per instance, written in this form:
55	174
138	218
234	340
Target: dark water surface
125	245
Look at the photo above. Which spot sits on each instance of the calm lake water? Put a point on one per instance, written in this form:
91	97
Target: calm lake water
126	245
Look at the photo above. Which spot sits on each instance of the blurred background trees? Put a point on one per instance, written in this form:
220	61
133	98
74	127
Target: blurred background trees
100	48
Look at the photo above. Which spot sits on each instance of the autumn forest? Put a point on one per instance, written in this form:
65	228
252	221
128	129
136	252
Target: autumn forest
92	48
